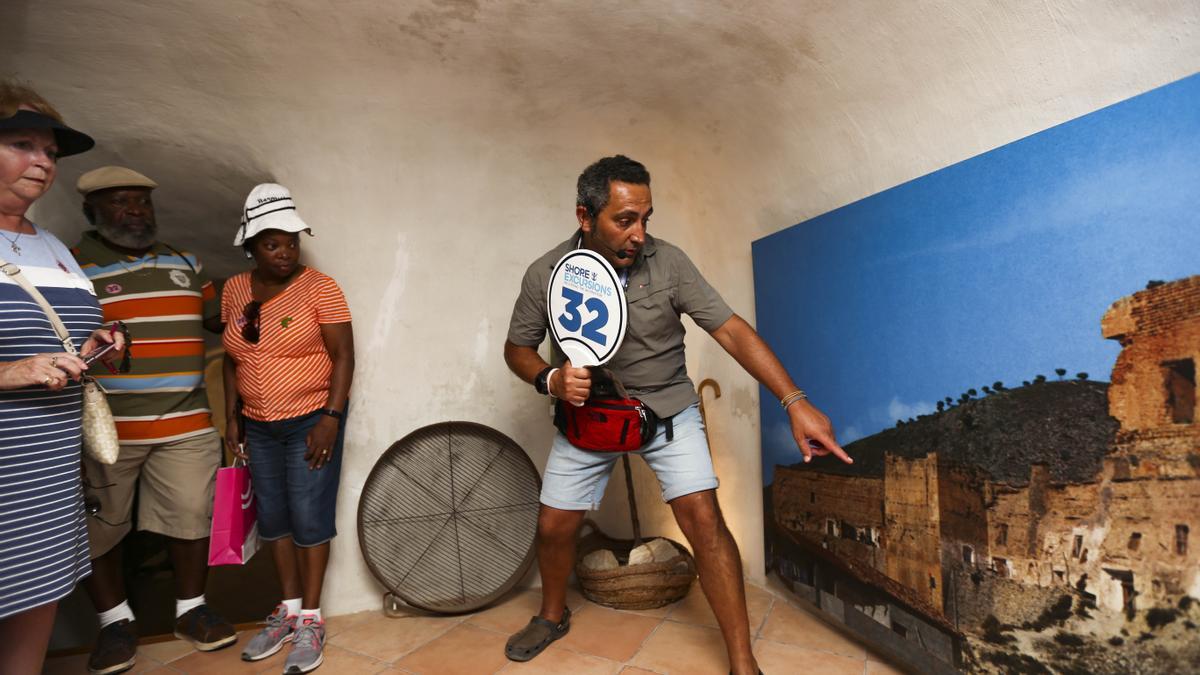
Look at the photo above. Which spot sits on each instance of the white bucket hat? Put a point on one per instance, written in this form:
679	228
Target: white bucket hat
269	207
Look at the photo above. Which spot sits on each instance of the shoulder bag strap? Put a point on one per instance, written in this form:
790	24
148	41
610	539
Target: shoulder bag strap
185	258
64	336
616	382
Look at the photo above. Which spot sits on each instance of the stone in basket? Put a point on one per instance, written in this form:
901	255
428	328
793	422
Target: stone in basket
630	574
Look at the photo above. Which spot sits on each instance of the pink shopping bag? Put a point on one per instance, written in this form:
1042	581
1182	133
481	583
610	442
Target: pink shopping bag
234	536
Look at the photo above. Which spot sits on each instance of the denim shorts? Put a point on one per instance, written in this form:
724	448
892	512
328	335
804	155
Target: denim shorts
293	501
575	479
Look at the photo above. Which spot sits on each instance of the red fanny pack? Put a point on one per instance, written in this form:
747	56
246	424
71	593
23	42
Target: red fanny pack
606	424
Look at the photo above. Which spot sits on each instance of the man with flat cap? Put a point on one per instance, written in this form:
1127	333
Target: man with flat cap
169	449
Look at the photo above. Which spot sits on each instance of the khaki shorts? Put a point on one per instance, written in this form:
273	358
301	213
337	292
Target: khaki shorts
174	482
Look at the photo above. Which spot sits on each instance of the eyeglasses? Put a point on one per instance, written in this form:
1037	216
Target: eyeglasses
250	331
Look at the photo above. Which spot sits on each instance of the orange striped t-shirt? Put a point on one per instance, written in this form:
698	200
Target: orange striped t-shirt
287	372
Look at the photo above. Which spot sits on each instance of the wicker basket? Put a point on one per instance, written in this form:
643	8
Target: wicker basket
644	586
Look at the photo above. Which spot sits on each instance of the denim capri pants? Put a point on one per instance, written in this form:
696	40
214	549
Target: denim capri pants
293	500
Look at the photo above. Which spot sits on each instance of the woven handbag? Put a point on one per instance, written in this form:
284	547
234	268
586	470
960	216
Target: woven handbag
100	440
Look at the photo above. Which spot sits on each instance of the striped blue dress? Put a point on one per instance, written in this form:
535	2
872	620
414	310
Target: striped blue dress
43	535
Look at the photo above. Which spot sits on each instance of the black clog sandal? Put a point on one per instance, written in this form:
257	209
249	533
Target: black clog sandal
536	636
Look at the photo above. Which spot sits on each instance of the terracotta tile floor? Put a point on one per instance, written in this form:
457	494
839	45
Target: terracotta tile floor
681	638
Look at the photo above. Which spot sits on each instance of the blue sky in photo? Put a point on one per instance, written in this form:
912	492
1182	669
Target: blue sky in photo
999	267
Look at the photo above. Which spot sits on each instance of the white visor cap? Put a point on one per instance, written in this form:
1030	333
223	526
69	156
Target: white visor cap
269	207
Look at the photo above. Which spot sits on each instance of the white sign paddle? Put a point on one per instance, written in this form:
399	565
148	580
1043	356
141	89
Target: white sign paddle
586	302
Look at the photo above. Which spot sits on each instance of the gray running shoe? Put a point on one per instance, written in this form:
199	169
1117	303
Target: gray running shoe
270	639
307	645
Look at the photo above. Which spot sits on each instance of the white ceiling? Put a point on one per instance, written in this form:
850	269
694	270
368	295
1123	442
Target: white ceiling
797	106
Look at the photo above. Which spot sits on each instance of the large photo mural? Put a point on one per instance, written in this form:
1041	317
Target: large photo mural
1008	350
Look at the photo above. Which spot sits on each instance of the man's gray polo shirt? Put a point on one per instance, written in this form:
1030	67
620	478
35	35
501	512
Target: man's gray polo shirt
663	284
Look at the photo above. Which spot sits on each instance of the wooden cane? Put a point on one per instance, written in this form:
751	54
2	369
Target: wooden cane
633	512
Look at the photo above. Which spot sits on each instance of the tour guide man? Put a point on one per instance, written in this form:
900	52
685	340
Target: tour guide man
613	209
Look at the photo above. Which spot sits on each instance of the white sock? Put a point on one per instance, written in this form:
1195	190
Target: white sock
184	606
293	606
315	613
121	611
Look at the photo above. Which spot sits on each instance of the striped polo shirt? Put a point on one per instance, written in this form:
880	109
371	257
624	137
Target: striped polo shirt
287	372
43	535
163	296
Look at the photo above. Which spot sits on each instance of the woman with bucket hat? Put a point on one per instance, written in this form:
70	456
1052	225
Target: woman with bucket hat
289	357
43	536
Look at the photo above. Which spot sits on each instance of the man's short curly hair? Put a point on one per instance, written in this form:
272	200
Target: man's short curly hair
15	95
593	185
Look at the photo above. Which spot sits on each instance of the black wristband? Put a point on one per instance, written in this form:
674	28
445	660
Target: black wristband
335	414
541	383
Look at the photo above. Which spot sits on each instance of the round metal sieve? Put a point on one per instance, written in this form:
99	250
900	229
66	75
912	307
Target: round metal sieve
448	515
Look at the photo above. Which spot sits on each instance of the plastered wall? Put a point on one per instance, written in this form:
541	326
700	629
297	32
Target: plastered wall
433	145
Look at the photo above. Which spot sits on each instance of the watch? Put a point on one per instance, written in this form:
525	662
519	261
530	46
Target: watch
335	414
541	382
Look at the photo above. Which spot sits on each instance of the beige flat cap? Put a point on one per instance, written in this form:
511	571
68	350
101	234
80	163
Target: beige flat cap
111	177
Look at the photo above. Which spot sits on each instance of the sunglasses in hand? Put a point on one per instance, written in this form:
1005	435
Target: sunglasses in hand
92	356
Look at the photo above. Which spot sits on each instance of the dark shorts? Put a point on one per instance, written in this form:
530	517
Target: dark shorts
293	500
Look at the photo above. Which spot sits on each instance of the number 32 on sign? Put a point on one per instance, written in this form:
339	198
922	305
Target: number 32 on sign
586	303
